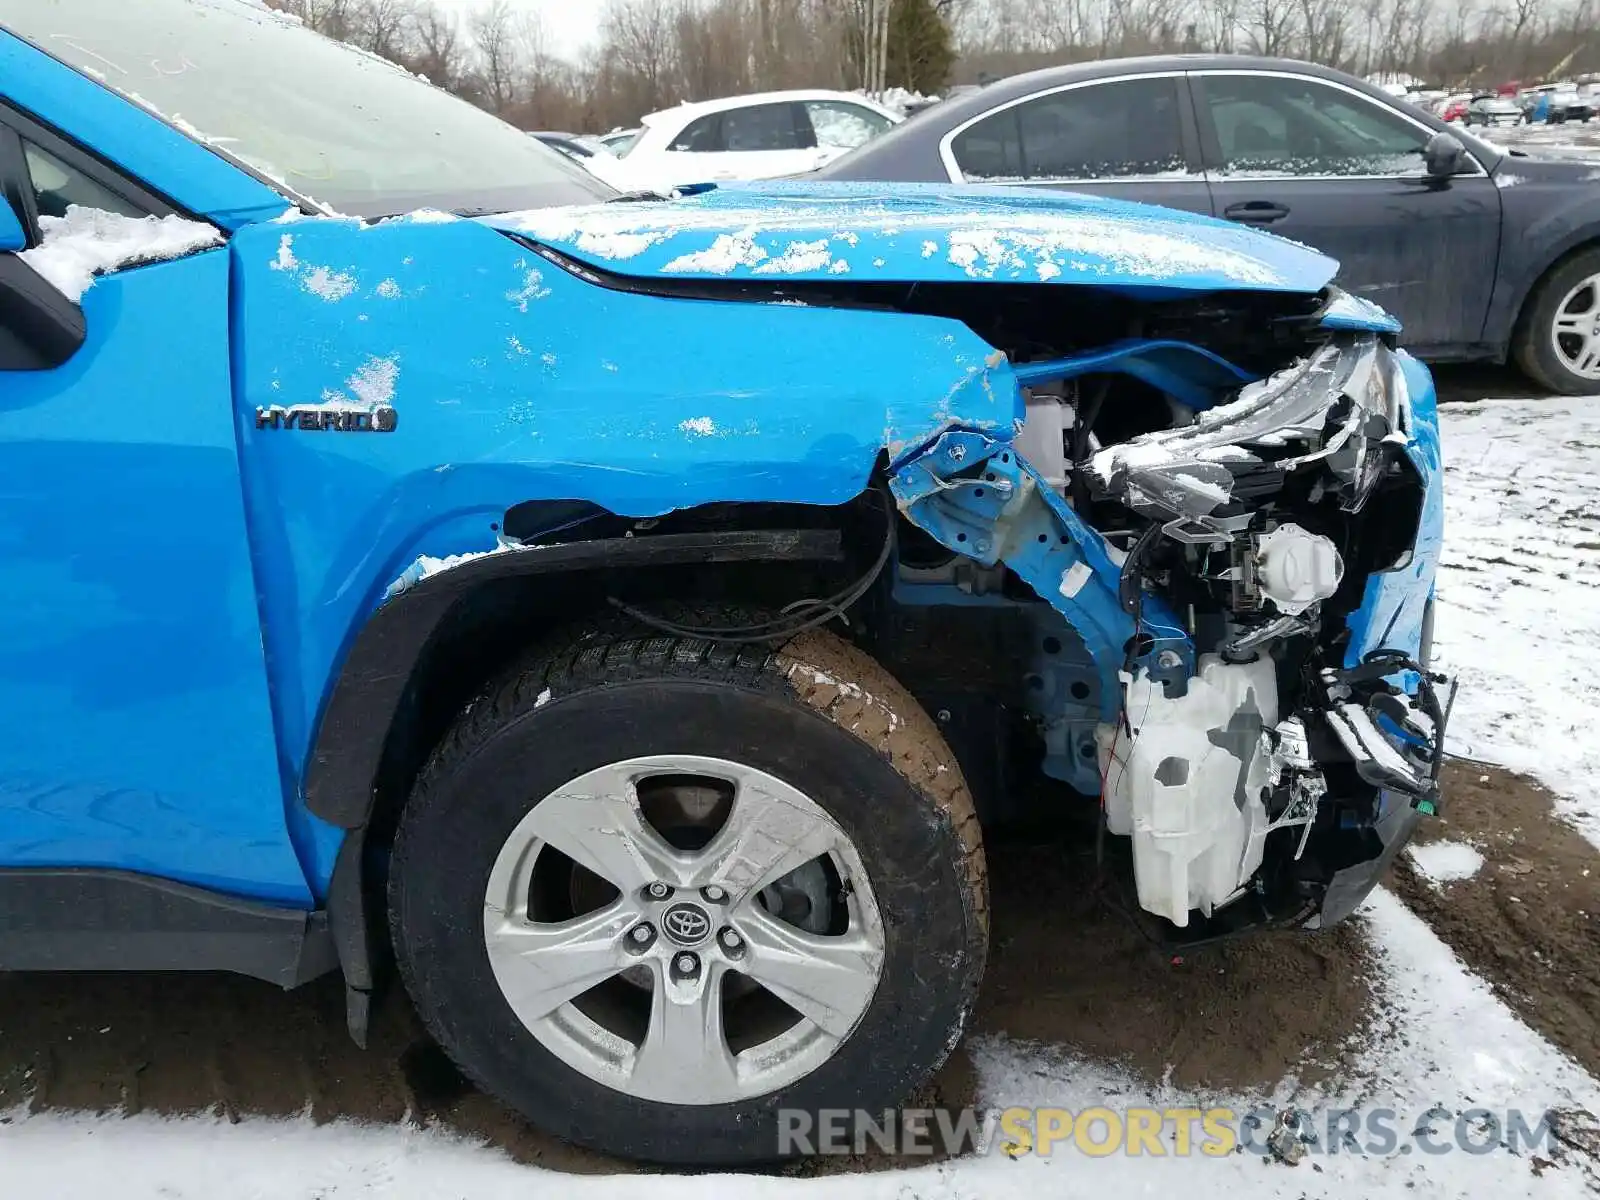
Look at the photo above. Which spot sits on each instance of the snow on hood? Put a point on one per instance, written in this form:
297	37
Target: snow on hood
920	233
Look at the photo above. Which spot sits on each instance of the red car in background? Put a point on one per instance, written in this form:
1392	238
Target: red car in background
1455	110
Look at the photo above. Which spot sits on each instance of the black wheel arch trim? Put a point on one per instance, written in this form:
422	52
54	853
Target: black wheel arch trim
348	747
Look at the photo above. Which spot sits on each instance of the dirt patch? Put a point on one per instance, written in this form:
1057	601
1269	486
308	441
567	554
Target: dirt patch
1069	966
1529	921
1065	967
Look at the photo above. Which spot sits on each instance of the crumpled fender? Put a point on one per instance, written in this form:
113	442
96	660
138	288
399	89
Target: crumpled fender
509	379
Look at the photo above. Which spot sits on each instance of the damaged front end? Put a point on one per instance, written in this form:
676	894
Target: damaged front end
1234	662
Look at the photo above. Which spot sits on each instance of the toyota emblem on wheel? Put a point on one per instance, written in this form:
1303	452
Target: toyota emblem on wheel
686	924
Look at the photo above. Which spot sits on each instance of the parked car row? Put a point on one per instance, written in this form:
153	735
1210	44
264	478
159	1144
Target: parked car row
1547	103
1555	103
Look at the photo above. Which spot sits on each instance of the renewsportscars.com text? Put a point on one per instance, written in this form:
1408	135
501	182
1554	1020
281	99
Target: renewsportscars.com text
1164	1132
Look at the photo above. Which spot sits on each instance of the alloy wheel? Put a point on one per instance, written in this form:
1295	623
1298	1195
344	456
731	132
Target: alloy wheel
684	929
1575	330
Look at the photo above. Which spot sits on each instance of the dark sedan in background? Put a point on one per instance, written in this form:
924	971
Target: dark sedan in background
1483	253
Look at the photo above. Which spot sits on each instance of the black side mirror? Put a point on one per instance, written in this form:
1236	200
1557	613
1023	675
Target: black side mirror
39	327
1444	156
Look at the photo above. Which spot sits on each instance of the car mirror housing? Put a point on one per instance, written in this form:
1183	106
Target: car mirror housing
12	237
1443	156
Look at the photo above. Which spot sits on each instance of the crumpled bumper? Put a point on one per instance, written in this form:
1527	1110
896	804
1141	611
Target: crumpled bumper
1342	433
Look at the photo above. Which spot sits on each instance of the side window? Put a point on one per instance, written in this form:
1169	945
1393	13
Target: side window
841	126
1277	125
1123	130
57	185
703	136
762	127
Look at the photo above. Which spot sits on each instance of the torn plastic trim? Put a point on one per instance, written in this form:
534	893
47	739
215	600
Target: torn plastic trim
1339	407
1387	715
1393	608
976	496
1345	311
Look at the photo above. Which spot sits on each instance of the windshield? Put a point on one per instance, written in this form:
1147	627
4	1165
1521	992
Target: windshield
347	128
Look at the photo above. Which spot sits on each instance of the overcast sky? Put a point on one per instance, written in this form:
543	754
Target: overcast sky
573	24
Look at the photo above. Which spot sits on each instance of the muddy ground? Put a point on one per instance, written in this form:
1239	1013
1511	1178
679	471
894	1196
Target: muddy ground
1529	921
1067	965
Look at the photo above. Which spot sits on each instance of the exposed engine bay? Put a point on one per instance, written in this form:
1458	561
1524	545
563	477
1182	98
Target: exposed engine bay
1225	597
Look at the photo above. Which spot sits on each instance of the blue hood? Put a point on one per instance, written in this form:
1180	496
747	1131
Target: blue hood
921	233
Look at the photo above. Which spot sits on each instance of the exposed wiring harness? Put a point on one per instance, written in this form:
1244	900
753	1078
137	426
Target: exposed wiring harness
795	618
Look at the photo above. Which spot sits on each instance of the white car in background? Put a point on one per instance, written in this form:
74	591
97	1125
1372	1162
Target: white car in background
618	140
760	136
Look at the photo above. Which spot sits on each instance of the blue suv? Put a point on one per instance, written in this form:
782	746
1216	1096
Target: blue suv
625	614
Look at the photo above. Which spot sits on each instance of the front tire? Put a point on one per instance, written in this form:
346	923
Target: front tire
1557	340
637	838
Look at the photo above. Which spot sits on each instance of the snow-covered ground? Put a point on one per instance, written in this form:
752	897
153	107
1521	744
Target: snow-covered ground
1571	139
1520	620
1444	1046
1519	592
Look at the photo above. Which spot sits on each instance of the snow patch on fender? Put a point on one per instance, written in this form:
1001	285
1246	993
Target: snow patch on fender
322	282
372	384
426	566
89	241
328	284
532	289
285	260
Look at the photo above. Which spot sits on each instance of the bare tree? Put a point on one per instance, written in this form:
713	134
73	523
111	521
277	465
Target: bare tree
655	53
436	50
495	32
384	26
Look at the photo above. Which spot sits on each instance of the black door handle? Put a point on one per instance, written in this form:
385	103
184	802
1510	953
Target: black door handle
1256	211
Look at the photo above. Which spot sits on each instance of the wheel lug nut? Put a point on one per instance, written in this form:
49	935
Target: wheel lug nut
658	891
686	964
714	894
640	934
731	940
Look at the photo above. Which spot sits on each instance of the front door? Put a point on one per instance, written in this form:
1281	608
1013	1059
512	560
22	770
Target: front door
1325	165
135	726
